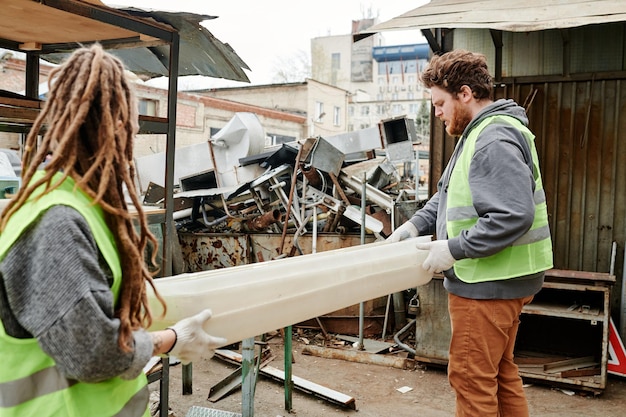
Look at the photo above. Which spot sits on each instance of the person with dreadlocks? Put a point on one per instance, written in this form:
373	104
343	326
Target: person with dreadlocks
73	279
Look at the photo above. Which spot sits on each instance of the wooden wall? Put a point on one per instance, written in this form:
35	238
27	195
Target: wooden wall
580	129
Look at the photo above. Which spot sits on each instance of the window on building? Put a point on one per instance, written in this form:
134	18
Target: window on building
336	116
275	139
379	97
350	111
396	109
394	96
411	79
413	107
213	131
319	110
335	61
410	96
147	107
365	111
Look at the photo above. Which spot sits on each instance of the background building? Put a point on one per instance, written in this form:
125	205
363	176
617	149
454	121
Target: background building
382	80
324	106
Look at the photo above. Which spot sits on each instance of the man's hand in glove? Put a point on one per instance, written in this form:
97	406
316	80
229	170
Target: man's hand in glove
439	259
405	231
192	342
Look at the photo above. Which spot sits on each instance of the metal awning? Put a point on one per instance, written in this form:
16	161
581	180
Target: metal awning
43	27
506	15
201	53
53	28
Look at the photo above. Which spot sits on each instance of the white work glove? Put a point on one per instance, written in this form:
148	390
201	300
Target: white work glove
192	342
439	259
405	231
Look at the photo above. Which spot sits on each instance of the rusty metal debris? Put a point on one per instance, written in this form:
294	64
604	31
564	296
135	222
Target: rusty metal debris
309	188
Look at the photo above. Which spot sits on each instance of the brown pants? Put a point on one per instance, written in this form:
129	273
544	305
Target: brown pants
481	369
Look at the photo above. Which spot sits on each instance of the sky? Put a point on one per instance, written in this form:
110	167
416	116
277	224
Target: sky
265	33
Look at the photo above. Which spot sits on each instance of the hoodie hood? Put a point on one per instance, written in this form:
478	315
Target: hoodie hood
506	107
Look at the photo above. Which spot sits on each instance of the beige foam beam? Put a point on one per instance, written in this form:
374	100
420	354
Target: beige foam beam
250	300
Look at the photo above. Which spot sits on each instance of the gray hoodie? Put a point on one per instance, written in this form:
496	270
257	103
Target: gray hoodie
502	187
55	286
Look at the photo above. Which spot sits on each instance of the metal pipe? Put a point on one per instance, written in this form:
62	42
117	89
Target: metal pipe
312	175
382	199
263	221
288	374
314	240
187	375
396	337
247	377
359	357
291	191
361	344
399	308
299	233
386	316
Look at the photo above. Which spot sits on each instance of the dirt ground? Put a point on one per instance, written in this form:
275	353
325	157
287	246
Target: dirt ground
374	387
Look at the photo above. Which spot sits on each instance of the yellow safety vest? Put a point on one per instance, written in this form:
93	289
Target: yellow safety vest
532	252
30	383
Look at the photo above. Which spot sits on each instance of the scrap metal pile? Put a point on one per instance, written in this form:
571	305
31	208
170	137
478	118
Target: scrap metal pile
339	184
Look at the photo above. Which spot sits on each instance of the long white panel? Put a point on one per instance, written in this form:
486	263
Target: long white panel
249	300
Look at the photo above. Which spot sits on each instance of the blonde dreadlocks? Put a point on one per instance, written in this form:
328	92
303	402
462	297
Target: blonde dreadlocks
91	116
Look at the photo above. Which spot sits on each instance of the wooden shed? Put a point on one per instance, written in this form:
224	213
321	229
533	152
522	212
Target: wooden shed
565	62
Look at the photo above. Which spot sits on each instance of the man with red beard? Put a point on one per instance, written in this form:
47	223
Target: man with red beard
493	241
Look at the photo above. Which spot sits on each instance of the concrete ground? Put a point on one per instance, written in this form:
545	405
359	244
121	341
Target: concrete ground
378	391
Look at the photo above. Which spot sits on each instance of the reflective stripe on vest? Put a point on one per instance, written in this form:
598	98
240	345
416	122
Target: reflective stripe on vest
30	383
529	254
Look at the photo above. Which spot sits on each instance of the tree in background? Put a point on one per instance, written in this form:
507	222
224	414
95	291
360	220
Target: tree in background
422	122
292	68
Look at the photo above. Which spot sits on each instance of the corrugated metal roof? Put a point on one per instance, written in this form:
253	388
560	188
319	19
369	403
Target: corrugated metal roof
54	28
201	53
507	15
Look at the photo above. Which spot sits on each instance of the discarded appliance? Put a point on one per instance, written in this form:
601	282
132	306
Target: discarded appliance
320	154
188	160
242	136
399	135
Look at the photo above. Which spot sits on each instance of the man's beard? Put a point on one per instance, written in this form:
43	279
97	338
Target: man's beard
459	121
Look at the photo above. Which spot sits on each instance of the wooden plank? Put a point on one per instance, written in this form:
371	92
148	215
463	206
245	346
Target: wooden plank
30	21
535	360
582	275
16	114
358	356
20	102
574	373
312	388
569	364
